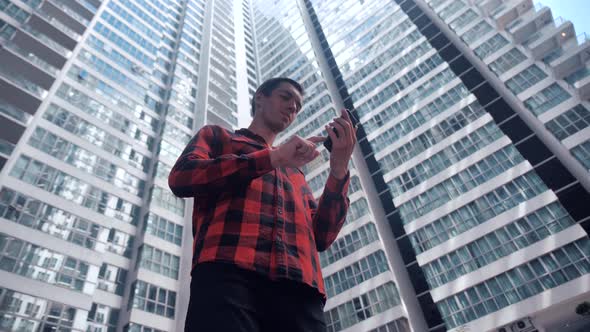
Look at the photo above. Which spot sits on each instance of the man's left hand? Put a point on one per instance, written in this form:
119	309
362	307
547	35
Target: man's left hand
342	144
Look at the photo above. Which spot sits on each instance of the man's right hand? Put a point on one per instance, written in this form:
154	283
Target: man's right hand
296	152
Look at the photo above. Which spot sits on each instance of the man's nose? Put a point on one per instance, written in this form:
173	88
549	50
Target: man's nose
292	106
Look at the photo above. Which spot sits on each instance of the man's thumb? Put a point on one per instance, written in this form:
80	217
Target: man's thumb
317	139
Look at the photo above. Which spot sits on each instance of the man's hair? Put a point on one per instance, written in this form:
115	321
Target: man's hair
270	85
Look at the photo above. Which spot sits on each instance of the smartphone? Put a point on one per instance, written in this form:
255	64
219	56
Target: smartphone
328	141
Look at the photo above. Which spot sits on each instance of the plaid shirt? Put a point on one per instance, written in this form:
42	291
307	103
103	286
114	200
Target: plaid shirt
252	215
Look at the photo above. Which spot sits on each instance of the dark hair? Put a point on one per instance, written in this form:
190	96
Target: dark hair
269	86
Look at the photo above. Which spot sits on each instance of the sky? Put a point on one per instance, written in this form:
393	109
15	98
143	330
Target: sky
576	11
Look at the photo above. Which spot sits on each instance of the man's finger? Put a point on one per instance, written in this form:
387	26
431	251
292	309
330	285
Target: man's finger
331	133
342	131
345	115
317	139
345	125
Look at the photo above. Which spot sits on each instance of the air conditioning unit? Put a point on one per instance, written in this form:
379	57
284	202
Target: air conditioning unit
82	75
138	70
523	325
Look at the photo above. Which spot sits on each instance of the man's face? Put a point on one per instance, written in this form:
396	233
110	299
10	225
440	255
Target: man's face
280	108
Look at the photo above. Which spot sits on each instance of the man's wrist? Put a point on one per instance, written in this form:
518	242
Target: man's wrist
275	158
339	173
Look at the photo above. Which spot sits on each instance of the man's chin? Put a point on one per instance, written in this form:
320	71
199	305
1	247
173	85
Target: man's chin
280	126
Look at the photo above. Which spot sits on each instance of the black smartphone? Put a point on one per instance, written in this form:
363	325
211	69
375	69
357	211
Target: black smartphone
328	141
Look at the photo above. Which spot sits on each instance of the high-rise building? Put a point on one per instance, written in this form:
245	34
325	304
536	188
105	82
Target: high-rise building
469	187
471	178
98	99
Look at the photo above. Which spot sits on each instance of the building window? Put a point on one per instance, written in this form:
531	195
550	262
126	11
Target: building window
507	61
546	99
357	209
23	312
504	241
460	183
478	211
29	260
542	273
159	261
6	30
46	218
476	32
445	128
490	46
398	325
65	186
467	17
133	327
86	161
362	307
440	161
356	273
163	228
102	318
349	243
451	9
570	122
151	298
582	153
96	136
165	199
525	79
112	279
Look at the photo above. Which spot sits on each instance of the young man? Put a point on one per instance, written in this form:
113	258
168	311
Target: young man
257	228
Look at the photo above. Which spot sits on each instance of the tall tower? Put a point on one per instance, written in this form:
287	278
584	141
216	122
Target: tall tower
98	99
472	164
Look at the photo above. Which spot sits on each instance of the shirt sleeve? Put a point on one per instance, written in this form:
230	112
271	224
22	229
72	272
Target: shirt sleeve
330	212
200	170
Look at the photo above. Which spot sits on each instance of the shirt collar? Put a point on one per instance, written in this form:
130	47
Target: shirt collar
250	134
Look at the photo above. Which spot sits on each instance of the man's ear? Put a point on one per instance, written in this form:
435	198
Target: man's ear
258	96
258	100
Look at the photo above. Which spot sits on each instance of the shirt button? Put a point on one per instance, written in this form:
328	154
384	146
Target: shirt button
278	239
280	211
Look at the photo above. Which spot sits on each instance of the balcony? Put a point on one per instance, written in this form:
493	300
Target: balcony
56	53
6	149
549	38
580	81
19	91
54	28
87	6
529	23
92	3
553	55
576	54
511	12
10	134
491	7
63	12
28	64
15	114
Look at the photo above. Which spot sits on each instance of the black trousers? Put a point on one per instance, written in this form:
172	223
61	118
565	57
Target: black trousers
226	298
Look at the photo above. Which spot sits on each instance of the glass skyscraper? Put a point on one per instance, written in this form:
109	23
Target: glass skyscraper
469	186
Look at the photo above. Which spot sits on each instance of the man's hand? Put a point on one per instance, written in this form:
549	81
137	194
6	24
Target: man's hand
342	144
296	152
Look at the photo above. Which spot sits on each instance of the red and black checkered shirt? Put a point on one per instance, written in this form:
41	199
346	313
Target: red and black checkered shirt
252	215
